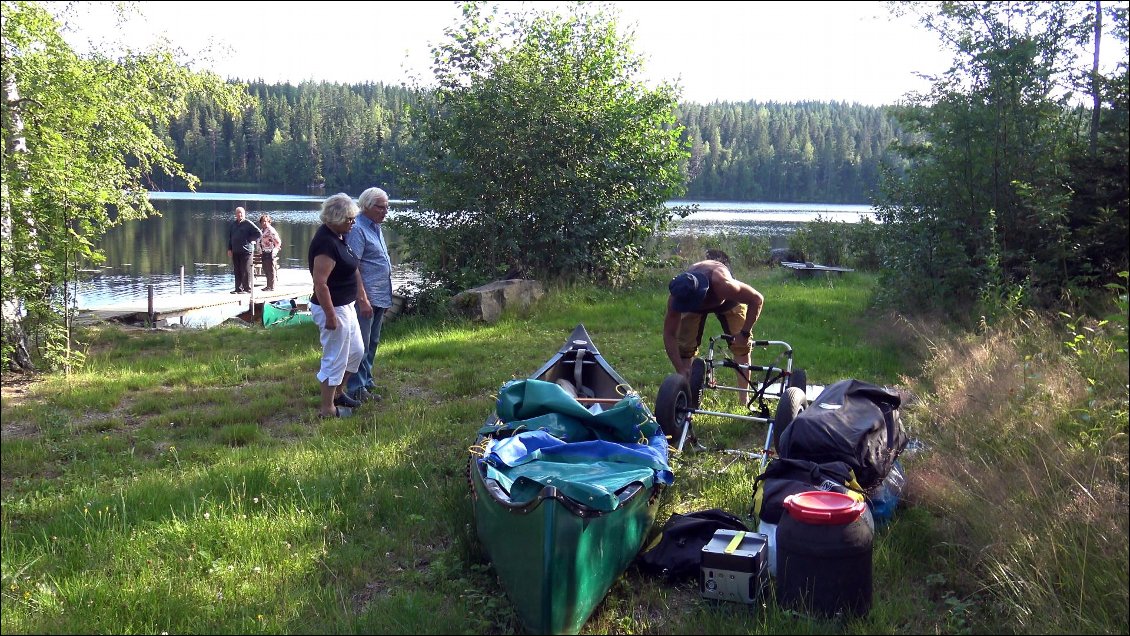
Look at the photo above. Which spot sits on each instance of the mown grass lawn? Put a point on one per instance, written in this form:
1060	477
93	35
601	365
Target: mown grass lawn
181	481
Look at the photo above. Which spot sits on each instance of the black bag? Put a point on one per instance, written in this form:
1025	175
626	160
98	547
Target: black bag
853	422
784	477
677	550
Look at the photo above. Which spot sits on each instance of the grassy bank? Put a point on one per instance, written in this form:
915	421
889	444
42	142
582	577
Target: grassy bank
182	483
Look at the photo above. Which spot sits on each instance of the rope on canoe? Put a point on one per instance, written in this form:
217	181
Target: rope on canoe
479	449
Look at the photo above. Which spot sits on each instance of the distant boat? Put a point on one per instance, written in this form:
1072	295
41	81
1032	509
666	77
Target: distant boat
284	312
296	312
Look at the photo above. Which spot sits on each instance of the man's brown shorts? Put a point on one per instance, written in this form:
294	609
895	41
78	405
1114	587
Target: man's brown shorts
691	326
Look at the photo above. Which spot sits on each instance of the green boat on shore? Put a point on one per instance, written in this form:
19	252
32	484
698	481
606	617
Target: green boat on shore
565	484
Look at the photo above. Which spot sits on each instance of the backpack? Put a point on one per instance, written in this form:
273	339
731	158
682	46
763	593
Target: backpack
850	421
677	551
784	477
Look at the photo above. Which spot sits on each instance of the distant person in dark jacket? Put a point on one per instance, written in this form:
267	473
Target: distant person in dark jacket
242	237
707	287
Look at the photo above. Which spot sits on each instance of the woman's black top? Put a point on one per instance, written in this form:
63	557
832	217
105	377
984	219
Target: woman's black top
343	277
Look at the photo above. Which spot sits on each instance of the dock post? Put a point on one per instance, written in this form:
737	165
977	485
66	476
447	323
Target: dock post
251	301
152	313
182	280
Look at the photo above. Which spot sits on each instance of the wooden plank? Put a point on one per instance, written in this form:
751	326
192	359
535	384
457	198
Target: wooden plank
812	268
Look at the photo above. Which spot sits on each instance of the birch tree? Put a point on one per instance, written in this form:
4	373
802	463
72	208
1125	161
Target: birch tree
79	148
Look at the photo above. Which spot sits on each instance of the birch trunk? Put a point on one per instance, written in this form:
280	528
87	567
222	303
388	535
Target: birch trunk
12	305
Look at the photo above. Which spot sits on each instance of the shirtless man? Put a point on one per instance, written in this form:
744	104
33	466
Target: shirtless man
707	287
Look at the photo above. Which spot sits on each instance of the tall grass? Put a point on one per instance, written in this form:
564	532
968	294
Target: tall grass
182	482
1027	482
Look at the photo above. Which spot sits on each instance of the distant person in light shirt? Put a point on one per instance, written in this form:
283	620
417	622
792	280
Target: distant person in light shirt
368	243
269	246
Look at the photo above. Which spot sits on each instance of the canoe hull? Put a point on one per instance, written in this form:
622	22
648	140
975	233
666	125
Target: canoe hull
555	557
555	562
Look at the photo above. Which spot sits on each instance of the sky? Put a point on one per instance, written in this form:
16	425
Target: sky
728	51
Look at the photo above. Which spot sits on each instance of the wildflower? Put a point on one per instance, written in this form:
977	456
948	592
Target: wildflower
207	516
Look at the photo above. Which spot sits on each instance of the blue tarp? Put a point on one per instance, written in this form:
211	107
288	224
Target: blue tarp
589	472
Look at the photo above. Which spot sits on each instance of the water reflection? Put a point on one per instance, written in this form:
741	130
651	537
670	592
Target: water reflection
191	234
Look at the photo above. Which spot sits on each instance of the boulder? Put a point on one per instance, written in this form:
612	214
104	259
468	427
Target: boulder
487	302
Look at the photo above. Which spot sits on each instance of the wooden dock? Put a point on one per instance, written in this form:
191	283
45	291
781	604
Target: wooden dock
172	309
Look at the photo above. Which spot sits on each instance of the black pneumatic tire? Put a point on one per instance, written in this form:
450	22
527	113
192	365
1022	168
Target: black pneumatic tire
799	379
789	406
698	380
672	404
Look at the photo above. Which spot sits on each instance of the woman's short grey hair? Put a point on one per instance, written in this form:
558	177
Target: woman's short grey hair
370	196
340	207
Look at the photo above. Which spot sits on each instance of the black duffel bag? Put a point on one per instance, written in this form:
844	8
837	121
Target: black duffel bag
676	551
853	422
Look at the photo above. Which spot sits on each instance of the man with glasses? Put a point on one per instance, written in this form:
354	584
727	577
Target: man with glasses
367	242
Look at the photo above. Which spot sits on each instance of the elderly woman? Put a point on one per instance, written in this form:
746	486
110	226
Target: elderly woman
337	286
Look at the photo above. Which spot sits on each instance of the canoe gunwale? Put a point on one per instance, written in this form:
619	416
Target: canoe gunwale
498	496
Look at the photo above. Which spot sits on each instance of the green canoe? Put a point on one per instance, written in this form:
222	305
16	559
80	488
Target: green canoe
290	312
284	312
565	498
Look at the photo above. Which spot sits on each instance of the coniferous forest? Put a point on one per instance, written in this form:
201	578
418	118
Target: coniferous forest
349	137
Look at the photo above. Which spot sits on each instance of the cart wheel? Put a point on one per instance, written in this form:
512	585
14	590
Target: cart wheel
799	379
698	381
788	407
672	404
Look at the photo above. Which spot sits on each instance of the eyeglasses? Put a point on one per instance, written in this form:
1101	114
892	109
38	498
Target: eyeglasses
378	207
351	220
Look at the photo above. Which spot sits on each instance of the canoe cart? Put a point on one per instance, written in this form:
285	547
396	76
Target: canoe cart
566	477
780	386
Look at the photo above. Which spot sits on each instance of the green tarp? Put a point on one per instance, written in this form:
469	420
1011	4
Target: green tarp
556	441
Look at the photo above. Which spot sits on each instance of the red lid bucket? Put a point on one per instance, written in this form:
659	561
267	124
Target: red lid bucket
819	507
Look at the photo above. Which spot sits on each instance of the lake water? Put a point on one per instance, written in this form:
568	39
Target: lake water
191	234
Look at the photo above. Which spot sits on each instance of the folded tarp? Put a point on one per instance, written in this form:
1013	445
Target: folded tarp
589	472
520	401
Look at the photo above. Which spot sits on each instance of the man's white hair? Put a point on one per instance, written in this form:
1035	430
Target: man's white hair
370	196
